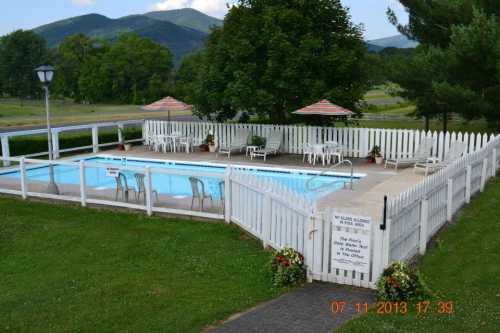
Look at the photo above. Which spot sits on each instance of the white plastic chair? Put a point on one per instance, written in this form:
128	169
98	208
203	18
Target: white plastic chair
198	189
307	152
319	153
334	152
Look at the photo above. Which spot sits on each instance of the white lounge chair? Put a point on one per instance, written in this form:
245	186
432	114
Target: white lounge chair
457	150
239	143
273	145
421	155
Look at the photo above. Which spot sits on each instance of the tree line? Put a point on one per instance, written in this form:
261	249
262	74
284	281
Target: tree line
455	70
130	70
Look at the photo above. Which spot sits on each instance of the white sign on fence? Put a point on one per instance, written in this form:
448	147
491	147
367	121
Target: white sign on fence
112	172
351	251
351	221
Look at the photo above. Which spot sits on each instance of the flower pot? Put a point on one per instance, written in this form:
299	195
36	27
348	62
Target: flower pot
120	146
211	148
128	147
379	160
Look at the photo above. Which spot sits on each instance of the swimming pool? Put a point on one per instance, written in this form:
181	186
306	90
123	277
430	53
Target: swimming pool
97	176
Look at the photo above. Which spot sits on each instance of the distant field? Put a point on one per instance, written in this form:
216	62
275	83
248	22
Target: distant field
478	126
13	113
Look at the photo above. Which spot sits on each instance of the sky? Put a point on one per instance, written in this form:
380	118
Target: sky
27	14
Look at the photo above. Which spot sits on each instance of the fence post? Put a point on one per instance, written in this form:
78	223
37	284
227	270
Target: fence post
5	150
149	185
309	255
483	174
424	219
120	133
494	163
227	194
83	184
55	144
145	129
95	139
468	184
378	250
386	248
266	219
22	168
449	201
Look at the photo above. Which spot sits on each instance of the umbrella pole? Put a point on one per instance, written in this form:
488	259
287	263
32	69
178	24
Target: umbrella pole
169	125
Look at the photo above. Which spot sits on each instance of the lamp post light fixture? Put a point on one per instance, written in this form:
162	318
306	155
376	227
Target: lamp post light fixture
46	74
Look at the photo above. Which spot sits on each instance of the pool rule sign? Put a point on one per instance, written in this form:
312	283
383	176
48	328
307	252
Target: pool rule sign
351	243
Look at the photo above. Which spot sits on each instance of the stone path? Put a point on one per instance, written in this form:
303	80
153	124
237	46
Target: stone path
302	311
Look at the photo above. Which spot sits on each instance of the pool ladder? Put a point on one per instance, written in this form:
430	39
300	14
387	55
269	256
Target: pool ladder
342	162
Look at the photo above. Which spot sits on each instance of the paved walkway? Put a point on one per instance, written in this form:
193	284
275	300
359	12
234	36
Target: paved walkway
303	311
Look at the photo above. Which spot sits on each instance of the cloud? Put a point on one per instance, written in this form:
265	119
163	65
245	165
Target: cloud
216	8
83	2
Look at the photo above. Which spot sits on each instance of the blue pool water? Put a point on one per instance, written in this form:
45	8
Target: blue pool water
177	185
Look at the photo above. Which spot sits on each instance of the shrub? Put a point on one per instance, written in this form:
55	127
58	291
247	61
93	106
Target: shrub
400	283
287	267
258	141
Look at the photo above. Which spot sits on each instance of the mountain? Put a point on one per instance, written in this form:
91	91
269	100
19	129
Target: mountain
187	17
398	41
374	48
179	39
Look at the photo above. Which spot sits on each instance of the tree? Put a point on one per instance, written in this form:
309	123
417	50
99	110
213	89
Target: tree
456	68
20	53
127	72
69	58
188	75
275	56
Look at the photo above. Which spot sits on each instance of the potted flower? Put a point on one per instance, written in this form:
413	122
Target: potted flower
210	142
375	156
287	268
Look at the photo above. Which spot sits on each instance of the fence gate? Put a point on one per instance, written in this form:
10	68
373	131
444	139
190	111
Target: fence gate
345	249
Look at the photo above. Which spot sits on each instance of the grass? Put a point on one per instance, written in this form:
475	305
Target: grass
477	126
70	269
32	113
399	109
463	268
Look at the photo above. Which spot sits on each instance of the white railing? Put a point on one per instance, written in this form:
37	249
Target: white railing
94	128
357	142
419	213
78	190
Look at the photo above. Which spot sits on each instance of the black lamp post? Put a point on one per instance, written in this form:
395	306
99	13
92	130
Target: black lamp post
46	74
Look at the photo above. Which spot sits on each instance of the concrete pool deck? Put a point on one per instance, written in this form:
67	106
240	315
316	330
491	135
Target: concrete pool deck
367	197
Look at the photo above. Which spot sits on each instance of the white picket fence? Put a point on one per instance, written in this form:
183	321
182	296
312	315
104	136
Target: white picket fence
281	218
357	142
416	215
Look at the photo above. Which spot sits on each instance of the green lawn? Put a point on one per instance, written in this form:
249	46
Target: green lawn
463	268
478	126
69	269
13	113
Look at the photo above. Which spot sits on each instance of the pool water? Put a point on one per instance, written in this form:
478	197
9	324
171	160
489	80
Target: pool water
179	185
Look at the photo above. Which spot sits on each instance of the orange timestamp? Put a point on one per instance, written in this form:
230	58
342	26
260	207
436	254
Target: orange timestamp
393	308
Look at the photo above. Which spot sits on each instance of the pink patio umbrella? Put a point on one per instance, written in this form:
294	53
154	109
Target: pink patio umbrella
324	108
168	104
